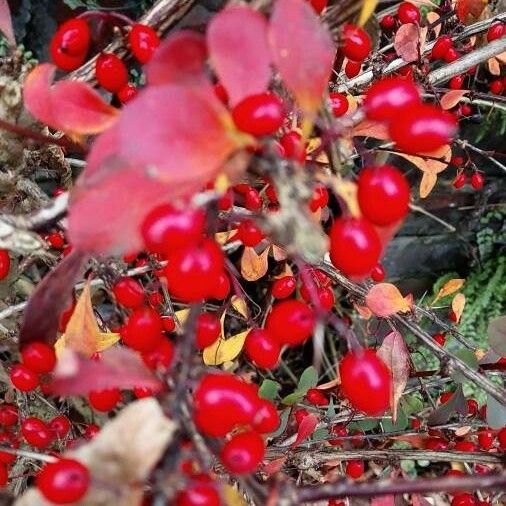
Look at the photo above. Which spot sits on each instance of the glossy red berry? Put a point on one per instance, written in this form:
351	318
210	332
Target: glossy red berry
383	194
386	99
316	397
293	145
365	381
465	446
111	72
127	93
477	180
267	417
436	444
143	42
5	263
8	440
36	432
70	44
442	45
352	68
249	233
24	379
283	287
326	298
243	452
9	415
90	431
456	82
486	439
62	60
208	330
142	392
378	273
339	103
451	55
472	407
198	494
408	13
422	128
445	397
387	22
160	357
290	322
104	400
60	426
65	481
354	469
463	500
355	247
193	272
318	5
166	228
496	31
356	44
439	338
496	86
128	292
501	437
39	357
253	200
260	114
143	330
261	349
459	181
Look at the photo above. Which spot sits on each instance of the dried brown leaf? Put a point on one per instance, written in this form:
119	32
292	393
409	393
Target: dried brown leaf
451	98
458	303
254	266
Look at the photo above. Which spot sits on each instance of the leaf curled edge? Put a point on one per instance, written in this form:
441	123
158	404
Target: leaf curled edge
385	299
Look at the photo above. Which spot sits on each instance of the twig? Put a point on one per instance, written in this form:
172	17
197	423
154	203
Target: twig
465	144
421	210
28	454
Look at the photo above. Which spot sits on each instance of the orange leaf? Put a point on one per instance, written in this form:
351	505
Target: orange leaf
368	128
469	11
443	155
254	266
70	106
449	287
429	180
451	98
363	311
458	303
409	41
384	299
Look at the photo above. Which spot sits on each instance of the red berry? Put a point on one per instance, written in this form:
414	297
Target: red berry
463	500
23	379
36	432
486	439
387	98
249	233
8	415
459	181
65	481
208	330
416	424
442	45
352	68
290	322
60	426
222	287
501	437
383	194
299	415
355	247
111	72
90	431
4	476
161	357
198	494
267	418
340	431
168	323
260	114
38	357
356	44
283	287
365	381
408	13
451	55
326	298
243	452
293	145
143	330
472	407
355	469
496	31
222	401
320	198
104	400
74	37
5	263
142	392
477	180
127	93
261	349
422	128
56	240
166	229
456	82
318	5
445	397
143	42
252	199
378	273
436	444
192	273
439	338
339	103
496	86
8	440
316	397
465	446
387	22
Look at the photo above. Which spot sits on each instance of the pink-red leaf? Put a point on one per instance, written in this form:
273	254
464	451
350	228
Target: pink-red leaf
302	50
306	427
6	22
118	367
406	42
237	42
70	106
180	59
384	299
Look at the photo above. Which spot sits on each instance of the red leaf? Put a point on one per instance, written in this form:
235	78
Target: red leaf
384	299
118	367
237	42
70	106
306	428
386	500
50	298
6	22
180	59
406	42
469	11
274	466
302	50
451	98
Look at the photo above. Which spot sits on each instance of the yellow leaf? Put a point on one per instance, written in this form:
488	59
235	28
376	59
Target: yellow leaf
223	237
231	496
449	287
442	155
458	303
367	11
429	180
253	266
313	145
224	350
347	190
181	316
384	299
239	304
82	333
221	183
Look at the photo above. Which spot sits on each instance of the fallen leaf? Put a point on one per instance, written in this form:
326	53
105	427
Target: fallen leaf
368	7
117	367
6	22
306	427
224	350
384	299
448	288
407	42
458	303
253	266
82	333
120	457
451	98
394	352
497	335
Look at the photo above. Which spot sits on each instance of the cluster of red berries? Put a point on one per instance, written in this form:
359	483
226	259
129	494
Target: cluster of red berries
477	180
355	46
71	43
406	13
224	404
36	359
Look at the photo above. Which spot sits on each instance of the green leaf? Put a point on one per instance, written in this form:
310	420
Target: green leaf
269	389
408	466
456	404
293	397
496	413
283	421
469	358
308	379
320	434
401	424
363	425
411	404
331	409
